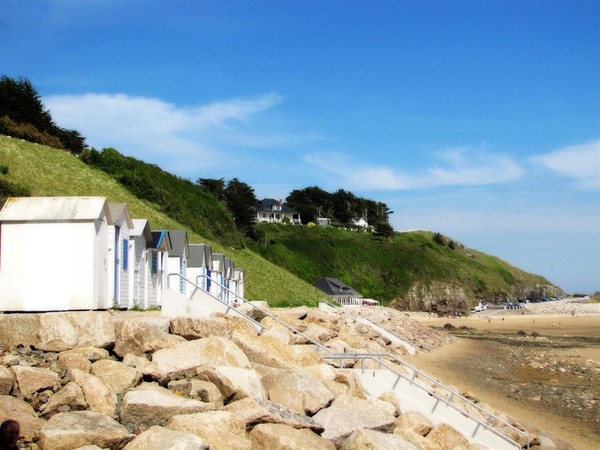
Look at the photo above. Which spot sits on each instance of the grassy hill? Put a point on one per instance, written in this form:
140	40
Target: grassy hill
46	171
286	260
386	269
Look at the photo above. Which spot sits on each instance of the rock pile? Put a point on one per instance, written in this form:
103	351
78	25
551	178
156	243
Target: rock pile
564	307
125	381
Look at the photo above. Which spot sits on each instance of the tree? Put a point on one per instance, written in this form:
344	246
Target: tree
241	202
439	239
384	229
216	186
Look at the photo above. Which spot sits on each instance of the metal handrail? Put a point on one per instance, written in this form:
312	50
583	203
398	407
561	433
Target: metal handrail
229	307
364	356
376	357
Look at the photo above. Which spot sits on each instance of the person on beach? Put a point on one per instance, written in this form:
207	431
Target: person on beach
10	431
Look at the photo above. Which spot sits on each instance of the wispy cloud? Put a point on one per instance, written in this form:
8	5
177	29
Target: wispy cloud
454	167
581	162
142	126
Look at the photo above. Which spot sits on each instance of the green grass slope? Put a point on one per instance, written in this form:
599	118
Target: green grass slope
386	269
45	171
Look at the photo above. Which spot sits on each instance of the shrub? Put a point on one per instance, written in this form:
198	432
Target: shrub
439	239
3	169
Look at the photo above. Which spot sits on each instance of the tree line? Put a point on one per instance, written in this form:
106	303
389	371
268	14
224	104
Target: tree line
22	115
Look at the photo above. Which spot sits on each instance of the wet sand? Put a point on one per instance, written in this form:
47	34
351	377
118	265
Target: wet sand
460	365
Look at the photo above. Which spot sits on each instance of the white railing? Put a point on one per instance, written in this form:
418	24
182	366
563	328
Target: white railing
453	396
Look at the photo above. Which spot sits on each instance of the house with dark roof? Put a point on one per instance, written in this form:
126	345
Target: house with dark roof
140	236
339	291
119	250
158	250
178	255
199	266
275	211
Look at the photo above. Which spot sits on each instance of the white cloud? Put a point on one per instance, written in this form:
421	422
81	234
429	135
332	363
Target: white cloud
581	162
456	167
180	137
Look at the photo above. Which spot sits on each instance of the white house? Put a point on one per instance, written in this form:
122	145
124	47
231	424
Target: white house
238	282
179	254
360	222
199	266
275	211
141	238
53	254
119	251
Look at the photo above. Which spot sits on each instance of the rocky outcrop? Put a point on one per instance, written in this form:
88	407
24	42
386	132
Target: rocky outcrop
215	383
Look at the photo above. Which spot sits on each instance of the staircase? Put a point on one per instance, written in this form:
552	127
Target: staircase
415	389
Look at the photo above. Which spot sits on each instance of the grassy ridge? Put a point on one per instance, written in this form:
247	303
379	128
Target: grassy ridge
386	269
46	171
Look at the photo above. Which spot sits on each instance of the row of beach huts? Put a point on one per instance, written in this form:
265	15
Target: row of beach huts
82	253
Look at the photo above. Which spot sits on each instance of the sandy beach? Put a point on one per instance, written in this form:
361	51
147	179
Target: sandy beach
533	379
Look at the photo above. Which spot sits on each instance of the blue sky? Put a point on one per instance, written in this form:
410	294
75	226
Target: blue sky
477	119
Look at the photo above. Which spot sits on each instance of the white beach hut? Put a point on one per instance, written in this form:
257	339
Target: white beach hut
198	267
177	261
140	238
119	251
53	254
218	268
157	260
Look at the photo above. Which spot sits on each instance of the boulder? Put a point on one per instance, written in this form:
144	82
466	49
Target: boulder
81	358
348	414
98	396
198	389
255	411
22	412
265	350
392	398
116	375
317	333
376	440
237	323
234	383
69	398
7	379
277	436
223	430
307	355
448	437
415	438
148	368
199	327
297	391
150	405
414	421
71	430
32	379
212	351
279	332
160	438
139	337
58	331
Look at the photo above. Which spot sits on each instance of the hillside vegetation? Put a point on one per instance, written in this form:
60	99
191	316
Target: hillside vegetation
37	170
414	270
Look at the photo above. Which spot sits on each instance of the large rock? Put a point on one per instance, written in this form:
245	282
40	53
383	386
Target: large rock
203	390
448	437
238	323
234	383
116	375
276	436
160	438
307	355
223	430
69	398
279	332
7	379
81	358
296	390
58	331
139	337
265	350
71	430
22	412
32	379
212	351
392	398
199	327
414	421
255	411
148	368
415	438
98	396
376	440
348	414
150	405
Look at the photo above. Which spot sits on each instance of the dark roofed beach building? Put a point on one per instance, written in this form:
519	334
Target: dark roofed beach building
339	291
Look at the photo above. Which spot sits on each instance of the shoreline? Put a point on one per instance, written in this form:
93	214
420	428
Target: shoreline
479	364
